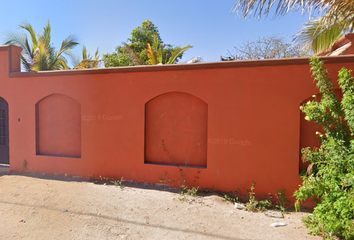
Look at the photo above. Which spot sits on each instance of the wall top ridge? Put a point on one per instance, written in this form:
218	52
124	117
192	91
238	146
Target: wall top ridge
14	59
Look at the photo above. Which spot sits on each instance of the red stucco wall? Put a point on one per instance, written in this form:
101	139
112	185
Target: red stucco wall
252	121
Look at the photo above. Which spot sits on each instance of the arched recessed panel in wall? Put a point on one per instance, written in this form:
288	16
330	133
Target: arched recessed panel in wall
176	130
58	126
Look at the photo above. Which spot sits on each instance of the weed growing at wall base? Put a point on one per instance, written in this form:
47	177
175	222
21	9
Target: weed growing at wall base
118	182
186	190
255	204
330	176
106	180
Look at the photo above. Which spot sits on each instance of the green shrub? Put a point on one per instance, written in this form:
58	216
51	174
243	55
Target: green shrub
330	176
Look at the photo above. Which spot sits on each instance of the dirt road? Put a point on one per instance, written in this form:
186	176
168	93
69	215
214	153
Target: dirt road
38	208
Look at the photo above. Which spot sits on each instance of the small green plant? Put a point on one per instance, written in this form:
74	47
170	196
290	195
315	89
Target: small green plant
106	180
282	200
103	179
93	179
330	175
265	204
99	179
252	203
189	191
231	197
118	182
186	190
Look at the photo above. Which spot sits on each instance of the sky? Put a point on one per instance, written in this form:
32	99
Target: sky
207	25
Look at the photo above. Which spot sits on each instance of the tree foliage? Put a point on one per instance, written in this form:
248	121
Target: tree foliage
135	50
141	36
330	175
266	48
318	34
39	54
119	57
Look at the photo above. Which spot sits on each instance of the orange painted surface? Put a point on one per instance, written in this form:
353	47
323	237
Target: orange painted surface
176	130
245	115
58	126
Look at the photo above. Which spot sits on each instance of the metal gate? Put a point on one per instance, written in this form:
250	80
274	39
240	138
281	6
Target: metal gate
4	132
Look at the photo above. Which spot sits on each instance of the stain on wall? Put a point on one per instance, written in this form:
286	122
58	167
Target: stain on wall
176	130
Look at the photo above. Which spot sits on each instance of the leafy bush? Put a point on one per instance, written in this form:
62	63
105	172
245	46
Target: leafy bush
330	175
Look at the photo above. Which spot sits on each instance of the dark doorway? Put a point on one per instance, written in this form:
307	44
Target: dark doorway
4	132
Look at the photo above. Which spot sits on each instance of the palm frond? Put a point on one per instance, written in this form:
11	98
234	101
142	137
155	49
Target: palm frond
61	64
34	38
26	64
87	63
320	34
252	7
84	64
74	59
95	63
343	8
97	55
87	60
152	54
47	30
263	7
41	61
27	55
179	52
52	57
19	39
133	55
68	44
84	52
158	47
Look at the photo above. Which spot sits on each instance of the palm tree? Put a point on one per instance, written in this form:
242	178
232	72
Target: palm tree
317	35
87	60
40	55
157	55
